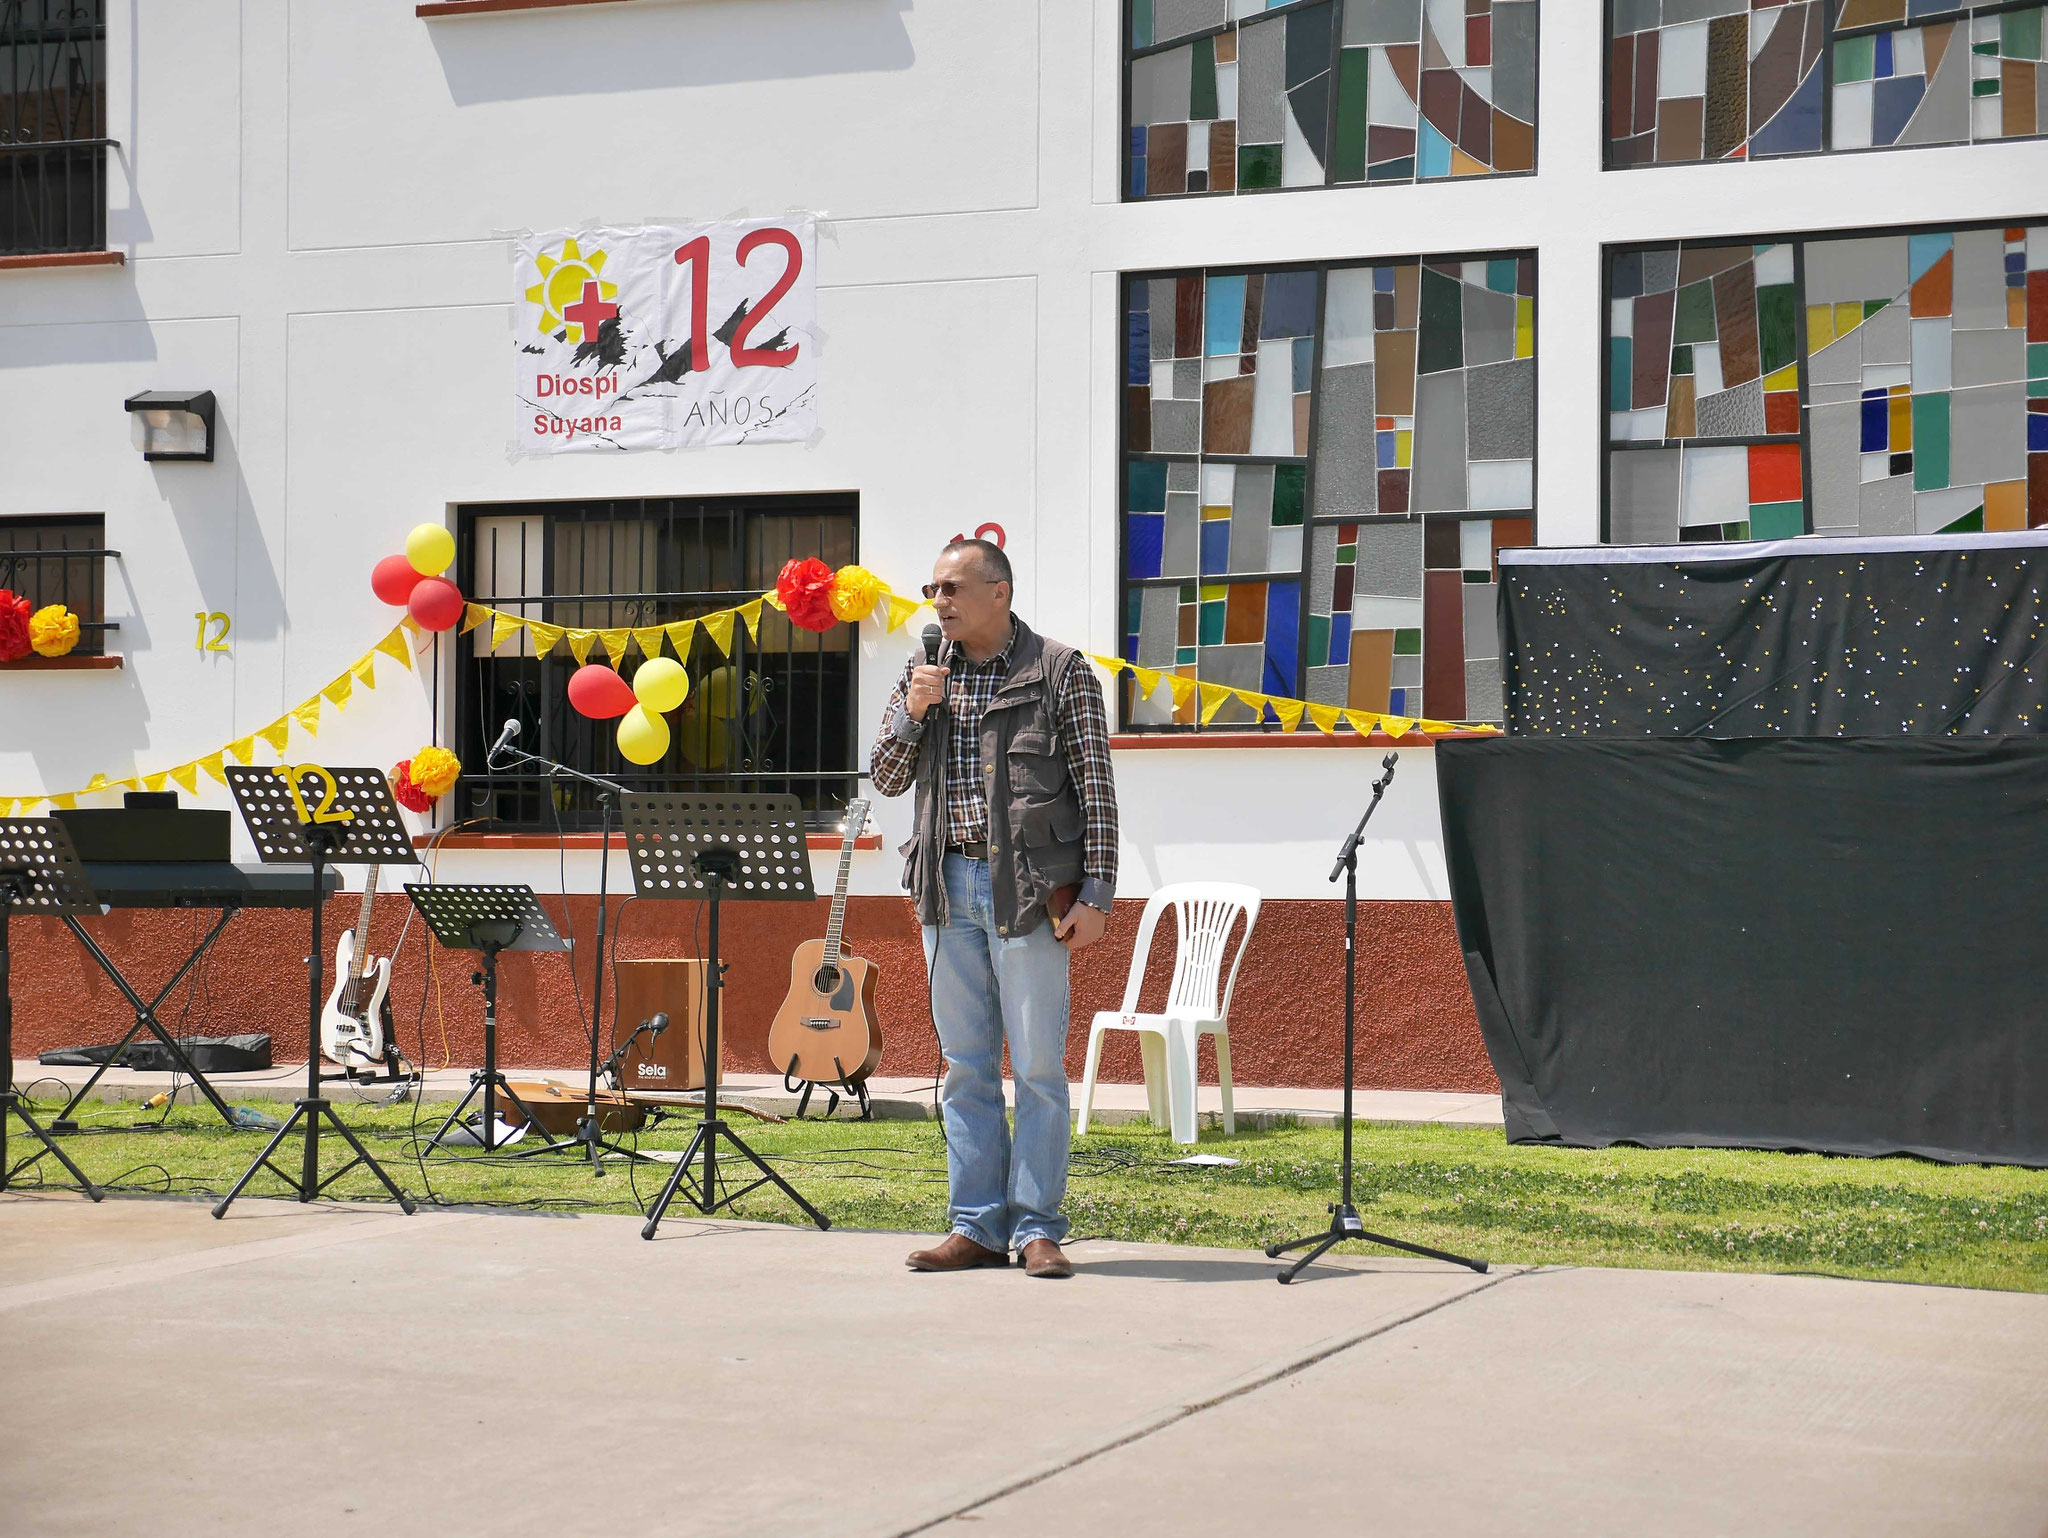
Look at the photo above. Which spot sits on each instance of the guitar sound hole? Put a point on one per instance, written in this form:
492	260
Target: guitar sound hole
826	980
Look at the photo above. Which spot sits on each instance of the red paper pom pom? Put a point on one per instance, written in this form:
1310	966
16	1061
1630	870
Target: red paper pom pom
805	588
393	580
436	604
14	616
599	693
409	795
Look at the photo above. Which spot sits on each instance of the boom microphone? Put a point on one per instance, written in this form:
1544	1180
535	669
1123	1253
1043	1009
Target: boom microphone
656	1024
505	736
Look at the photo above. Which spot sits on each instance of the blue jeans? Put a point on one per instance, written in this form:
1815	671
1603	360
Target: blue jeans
988	988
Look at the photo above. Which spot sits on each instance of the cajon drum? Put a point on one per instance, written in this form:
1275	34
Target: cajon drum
674	1060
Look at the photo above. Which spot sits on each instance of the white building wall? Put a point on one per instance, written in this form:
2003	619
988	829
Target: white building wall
313	199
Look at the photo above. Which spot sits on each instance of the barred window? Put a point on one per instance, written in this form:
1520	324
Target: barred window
53	126
777	716
60	560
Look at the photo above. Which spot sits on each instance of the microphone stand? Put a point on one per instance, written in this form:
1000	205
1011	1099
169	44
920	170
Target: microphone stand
1345	1222
607	792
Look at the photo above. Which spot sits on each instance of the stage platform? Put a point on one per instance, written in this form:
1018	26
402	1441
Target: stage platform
894	1099
336	1369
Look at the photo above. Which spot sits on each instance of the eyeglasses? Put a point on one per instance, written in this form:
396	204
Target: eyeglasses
952	589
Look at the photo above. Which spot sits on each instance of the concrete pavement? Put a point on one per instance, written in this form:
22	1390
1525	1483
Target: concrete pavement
346	1369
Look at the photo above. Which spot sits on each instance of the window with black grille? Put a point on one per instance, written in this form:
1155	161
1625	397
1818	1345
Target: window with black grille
53	126
776	716
60	560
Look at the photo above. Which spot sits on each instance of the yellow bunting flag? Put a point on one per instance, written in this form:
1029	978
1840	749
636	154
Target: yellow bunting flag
393	645
68	802
719	627
900	609
308	716
413	625
154	781
1325	717
648	639
580	642
215	765
1362	721
277	734
97	782
1256	702
1214	698
1147	679
337	693
1183	688
615	643
364	670
244	748
473	615
1289	712
6	806
544	637
1397	726
187	776
503	627
680	635
751	613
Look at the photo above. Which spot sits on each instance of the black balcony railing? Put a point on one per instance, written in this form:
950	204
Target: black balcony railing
53	126
60	560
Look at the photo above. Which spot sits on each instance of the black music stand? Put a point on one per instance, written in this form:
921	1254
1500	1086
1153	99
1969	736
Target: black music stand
487	919
1345	1222
716	848
39	873
306	813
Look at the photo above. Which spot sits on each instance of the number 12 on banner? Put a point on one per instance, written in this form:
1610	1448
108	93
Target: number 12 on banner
696	255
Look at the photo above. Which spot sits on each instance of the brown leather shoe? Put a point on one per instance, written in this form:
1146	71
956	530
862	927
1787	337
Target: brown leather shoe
956	1252
1043	1258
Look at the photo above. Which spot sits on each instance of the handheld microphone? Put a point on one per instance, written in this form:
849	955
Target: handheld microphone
656	1024
933	635
505	736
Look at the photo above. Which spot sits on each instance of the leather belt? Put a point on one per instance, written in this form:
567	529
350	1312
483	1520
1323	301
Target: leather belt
973	848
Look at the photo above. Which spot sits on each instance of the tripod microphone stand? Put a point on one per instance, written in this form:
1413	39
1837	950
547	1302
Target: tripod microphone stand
587	1130
1344	1220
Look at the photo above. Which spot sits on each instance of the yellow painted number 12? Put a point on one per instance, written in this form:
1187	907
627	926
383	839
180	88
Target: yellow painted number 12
218	641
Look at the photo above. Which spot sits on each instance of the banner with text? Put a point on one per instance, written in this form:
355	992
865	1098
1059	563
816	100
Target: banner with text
667	336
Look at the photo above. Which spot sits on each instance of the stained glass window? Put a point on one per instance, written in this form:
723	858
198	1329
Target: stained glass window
1873	384
1321	464
1692	80
1247	95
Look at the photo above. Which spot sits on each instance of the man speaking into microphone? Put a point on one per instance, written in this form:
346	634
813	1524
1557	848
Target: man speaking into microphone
1012	868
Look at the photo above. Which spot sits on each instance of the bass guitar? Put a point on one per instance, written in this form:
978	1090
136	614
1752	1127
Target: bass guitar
826	1032
355	1027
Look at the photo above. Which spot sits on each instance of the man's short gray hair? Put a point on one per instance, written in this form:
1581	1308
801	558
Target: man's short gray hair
994	564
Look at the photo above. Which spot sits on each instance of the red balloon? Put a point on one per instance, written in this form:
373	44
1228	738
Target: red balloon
394	579
599	693
436	603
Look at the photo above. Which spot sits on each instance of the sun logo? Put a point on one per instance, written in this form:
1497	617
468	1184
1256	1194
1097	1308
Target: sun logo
571	292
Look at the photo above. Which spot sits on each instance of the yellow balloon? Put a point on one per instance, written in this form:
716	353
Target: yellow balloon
643	735
431	549
722	691
701	735
661	684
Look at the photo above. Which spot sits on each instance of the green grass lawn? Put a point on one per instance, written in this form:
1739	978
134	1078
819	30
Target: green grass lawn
1461	1189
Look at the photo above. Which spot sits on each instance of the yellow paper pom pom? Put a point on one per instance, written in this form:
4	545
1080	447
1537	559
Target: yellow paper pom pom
53	631
855	592
434	770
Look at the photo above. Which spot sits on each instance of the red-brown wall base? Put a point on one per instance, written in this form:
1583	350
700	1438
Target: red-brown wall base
1416	1025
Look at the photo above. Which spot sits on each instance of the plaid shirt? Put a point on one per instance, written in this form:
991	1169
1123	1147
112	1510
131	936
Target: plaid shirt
1083	723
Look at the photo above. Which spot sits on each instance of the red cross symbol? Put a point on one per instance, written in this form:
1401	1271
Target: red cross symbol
590	312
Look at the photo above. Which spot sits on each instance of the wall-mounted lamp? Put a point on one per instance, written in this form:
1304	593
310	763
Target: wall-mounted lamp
171	424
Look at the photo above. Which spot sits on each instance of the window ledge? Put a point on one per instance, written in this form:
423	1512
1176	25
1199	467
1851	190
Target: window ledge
1305	737
590	841
65	259
72	664
433	8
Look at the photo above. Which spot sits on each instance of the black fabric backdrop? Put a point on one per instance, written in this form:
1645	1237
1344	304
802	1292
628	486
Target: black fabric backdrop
1824	642
1810	944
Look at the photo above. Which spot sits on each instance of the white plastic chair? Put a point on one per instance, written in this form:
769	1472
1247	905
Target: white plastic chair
1197	1002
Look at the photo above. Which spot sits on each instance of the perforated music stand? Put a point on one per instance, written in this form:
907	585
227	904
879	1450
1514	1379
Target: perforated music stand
487	919
714	849
39	873
358	824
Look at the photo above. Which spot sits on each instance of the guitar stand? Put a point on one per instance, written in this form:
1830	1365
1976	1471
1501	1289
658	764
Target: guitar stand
856	1092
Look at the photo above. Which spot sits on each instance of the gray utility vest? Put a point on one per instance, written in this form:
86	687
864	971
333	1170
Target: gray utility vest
1036	824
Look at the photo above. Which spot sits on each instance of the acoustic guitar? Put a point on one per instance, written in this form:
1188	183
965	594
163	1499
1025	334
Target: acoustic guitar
826	1031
